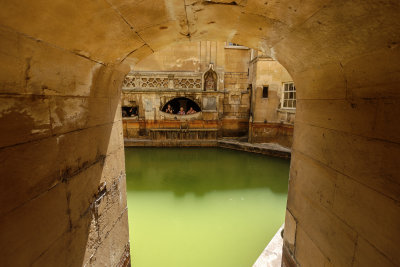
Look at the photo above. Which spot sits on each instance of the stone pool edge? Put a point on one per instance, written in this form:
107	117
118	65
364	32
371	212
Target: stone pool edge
272	254
270	149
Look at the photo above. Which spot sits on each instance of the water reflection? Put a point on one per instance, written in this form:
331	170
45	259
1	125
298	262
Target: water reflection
200	170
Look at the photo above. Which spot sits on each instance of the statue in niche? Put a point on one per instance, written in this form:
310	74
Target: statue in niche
210	79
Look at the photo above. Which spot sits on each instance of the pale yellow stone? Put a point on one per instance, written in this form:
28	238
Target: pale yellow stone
368	256
308	253
375	216
289	234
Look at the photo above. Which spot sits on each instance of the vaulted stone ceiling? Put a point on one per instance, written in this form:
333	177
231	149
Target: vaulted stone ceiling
297	33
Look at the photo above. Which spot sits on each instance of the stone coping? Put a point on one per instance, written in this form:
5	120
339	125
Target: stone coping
165	115
272	254
287	110
169	143
171	90
270	149
166	73
184	130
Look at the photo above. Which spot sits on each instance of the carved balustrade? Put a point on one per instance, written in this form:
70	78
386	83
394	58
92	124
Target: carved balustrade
163	80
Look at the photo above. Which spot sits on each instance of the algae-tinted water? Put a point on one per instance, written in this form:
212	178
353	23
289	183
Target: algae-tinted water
202	207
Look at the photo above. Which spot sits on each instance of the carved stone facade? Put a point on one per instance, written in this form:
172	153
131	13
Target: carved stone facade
224	84
162	80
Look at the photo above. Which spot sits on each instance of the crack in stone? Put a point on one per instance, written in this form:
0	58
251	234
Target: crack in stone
127	22
51	45
213	2
348	93
295	27
133	51
187	22
207	2
27	70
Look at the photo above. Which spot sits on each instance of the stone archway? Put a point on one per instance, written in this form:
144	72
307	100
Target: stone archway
61	75
184	102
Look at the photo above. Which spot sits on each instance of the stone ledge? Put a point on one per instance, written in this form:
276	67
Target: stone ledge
270	149
132	142
272	254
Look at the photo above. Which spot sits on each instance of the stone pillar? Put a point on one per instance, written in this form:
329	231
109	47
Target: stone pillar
344	191
171	84
62	173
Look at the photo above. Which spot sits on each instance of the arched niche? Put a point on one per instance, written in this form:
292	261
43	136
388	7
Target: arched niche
210	79
184	102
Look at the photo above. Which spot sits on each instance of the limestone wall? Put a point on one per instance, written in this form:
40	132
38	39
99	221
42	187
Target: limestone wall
268	72
236	107
232	100
270	121
343	198
271	133
343	203
178	57
62	175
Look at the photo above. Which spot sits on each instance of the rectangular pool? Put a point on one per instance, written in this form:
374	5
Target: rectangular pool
202	207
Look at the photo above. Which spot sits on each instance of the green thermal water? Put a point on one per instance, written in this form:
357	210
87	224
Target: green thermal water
202	207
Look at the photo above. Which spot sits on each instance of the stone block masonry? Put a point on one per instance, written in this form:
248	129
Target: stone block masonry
62	158
60	80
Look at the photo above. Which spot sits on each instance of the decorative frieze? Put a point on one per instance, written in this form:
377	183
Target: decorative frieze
187	83
163	80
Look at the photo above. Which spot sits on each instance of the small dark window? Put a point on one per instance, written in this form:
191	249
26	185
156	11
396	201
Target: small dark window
265	92
129	111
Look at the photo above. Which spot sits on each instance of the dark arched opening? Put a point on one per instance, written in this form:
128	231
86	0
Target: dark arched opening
179	102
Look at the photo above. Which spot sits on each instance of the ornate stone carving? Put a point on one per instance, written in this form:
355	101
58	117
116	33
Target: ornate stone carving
210	79
130	82
154	82
163	80
187	83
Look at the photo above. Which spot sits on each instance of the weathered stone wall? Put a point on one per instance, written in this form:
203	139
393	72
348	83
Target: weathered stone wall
178	57
343	205
272	133
62	175
151	117
268	72
270	122
236	109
